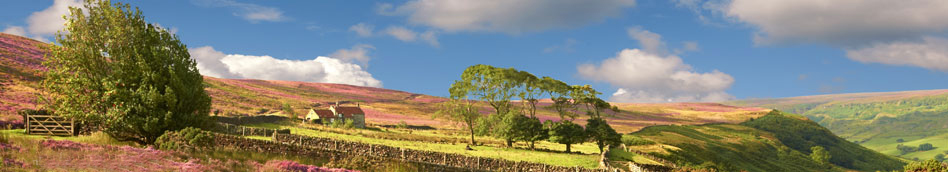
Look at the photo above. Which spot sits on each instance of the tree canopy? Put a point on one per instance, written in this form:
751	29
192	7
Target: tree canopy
114	71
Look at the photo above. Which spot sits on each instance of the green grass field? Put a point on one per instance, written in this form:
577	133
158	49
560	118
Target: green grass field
888	146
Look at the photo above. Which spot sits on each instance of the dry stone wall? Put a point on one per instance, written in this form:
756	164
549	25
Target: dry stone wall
418	156
249	131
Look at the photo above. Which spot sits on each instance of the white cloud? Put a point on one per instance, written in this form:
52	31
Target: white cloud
321	69
401	33
15	30
50	20
505	16
431	38
250	12
651	74
647	77
650	42
362	29
930	53
839	22
358	53
407	35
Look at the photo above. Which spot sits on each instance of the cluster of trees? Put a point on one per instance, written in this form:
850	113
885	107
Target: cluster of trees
113	71
498	87
904	149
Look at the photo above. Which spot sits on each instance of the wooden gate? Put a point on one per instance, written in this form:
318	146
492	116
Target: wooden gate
49	125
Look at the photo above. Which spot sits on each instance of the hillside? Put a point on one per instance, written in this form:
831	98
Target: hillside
876	120
775	142
22	62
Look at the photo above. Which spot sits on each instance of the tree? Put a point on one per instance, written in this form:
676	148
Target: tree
940	157
288	110
600	132
820	155
559	93
925	147
114	71
463	111
567	132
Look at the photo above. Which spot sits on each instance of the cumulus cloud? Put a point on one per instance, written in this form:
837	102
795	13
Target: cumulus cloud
505	16
839	22
250	12
652	75
50	20
45	22
930	53
321	69
15	30
358	53
431	38
905	33
362	29
648	77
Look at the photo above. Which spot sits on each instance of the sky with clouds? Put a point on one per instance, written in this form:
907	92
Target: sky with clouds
631	50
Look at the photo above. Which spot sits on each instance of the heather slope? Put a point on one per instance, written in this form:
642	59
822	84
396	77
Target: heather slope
22	62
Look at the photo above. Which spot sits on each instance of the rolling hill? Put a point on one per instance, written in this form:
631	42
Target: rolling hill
22	63
729	142
774	142
879	121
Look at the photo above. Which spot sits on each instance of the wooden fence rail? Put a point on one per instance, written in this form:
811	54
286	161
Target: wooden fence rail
49	125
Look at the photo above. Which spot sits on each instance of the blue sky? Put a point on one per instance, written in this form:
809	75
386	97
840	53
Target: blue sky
648	51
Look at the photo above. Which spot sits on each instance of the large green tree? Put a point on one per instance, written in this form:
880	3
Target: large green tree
567	133
600	132
559	92
461	109
114	71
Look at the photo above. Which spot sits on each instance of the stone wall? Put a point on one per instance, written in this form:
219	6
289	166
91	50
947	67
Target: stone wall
241	143
418	156
248	131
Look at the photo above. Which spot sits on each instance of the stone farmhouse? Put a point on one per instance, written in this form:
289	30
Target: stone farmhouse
337	113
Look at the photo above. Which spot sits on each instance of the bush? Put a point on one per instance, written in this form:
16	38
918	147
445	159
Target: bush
929	166
133	79
631	140
186	139
906	149
925	147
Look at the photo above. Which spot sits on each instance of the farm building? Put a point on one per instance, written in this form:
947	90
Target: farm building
337	114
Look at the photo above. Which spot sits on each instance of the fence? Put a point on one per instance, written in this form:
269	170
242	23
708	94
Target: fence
49	125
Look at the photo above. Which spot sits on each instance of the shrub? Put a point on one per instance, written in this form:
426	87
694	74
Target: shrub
928	166
186	139
900	140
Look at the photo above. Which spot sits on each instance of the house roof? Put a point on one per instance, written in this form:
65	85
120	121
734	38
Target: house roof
349	111
322	113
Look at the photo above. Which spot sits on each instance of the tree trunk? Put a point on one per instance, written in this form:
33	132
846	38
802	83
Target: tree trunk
509	143
567	148
472	138
532	143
